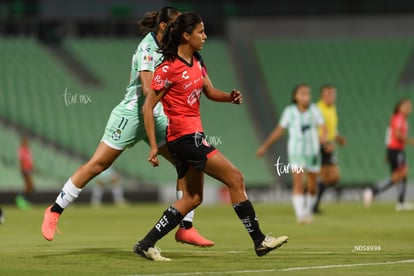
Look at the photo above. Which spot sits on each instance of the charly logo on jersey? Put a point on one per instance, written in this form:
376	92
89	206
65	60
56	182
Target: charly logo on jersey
116	135
194	96
185	75
165	68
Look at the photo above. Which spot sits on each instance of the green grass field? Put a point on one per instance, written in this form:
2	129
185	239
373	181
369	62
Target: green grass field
99	242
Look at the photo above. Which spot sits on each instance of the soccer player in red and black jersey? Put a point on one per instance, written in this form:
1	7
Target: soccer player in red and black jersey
397	138
178	83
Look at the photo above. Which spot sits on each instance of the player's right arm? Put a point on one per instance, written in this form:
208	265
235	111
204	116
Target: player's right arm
148	114
159	86
277	132
273	137
147	109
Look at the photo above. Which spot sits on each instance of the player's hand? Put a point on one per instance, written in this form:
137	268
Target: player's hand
410	141
329	147
236	97
152	158
260	152
341	140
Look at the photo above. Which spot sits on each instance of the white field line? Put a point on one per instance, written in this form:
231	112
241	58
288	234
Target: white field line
277	270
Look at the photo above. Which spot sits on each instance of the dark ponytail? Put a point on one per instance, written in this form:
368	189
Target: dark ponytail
185	23
151	21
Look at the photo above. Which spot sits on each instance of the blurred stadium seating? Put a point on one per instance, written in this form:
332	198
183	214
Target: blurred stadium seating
366	73
33	85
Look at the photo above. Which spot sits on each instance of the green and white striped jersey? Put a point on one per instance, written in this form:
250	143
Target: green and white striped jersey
303	129
145	58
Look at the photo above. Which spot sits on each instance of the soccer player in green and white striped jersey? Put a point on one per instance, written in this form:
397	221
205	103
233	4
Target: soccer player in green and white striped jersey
125	128
302	120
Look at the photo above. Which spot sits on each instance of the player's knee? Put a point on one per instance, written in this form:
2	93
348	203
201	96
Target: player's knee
194	200
96	167
311	190
236	180
405	171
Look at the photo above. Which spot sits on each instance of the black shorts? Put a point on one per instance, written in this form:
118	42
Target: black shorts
327	158
396	159
190	150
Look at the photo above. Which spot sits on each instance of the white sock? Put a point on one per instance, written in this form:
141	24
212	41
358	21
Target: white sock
68	194
97	193
310	202
118	193
190	215
298	202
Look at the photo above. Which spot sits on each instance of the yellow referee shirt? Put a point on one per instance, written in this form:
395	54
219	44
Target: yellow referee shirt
331	119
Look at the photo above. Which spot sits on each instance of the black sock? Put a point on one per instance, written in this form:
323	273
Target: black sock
402	190
168	221
385	186
186	224
56	208
245	212
321	190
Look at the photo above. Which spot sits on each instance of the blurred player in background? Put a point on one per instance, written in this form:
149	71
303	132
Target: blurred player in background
329	175
302	119
25	156
2	216
396	139
178	82
112	178
125	128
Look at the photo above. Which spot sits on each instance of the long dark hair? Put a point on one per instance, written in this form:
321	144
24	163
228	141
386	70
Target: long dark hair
151	21
185	23
399	104
296	89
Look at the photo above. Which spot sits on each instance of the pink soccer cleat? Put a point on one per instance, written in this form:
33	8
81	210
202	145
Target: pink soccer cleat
50	221
191	236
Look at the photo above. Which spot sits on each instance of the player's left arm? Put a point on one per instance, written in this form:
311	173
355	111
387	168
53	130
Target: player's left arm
218	95
323	135
341	140
404	138
400	135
